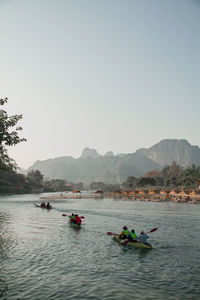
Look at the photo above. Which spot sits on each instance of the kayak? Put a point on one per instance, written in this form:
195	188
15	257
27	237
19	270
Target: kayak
132	244
74	225
42	207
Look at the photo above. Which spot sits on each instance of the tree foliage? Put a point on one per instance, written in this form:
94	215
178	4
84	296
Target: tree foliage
9	136
35	178
190	175
170	176
97	185
55	185
6	163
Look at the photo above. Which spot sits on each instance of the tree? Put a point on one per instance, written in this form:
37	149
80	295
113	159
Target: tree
9	136
190	175
172	174
35	178
129	183
145	181
55	185
96	185
6	163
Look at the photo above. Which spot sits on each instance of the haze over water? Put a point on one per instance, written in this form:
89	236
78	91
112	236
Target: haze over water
42	257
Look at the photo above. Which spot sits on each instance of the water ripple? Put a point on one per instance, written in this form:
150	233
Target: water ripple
42	257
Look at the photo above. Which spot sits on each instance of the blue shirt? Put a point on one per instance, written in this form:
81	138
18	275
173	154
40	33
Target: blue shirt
143	238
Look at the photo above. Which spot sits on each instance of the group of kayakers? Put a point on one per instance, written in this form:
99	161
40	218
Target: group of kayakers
131	236
75	219
126	235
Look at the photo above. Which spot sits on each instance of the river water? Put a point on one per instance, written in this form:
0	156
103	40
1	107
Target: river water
42	257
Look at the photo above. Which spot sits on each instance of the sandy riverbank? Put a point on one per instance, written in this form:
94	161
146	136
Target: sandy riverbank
155	198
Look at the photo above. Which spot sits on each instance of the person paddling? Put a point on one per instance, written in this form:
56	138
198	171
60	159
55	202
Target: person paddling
78	220
132	237
72	218
143	238
48	205
125	233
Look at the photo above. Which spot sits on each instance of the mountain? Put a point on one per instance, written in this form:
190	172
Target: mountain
87	152
169	150
110	168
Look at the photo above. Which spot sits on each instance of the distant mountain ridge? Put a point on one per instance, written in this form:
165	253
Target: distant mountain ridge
110	168
169	150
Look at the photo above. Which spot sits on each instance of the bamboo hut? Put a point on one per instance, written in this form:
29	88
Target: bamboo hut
98	194
77	193
117	194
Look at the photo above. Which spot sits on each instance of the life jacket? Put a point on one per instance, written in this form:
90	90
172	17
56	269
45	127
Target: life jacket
72	219
78	220
126	232
133	235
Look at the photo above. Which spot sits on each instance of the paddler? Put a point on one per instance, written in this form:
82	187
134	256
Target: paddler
48	205
78	220
132	237
125	233
72	218
143	238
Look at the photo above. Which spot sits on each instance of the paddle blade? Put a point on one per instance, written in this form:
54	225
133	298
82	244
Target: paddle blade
125	242
64	215
109	233
82	217
152	230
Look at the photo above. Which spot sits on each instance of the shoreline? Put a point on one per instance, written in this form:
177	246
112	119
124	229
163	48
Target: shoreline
149	198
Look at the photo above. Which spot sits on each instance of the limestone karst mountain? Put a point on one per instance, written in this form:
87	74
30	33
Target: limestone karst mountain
110	168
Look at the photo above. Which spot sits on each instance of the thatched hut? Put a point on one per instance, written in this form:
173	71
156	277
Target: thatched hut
98	194
117	194
77	193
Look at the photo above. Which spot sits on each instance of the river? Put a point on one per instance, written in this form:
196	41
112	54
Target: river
42	257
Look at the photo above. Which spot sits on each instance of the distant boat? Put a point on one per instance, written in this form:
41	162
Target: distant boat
37	205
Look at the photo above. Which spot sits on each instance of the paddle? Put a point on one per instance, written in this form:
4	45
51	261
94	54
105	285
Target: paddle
64	215
152	230
111	233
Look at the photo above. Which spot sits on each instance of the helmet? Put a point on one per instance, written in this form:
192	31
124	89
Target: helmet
142	232
133	230
125	227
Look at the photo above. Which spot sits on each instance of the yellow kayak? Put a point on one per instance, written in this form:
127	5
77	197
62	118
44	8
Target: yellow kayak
133	244
74	225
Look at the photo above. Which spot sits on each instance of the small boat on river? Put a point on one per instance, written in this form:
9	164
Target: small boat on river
45	207
132	244
74	225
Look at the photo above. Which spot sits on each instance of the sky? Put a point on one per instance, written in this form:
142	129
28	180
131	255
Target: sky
112	75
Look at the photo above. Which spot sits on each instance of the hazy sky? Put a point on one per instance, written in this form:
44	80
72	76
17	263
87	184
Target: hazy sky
114	75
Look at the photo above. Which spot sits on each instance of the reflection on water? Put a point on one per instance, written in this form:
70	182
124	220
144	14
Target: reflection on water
6	238
5	245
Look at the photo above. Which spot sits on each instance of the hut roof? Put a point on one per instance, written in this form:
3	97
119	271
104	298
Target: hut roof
76	191
98	192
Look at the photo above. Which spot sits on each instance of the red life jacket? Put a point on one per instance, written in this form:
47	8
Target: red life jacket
78	220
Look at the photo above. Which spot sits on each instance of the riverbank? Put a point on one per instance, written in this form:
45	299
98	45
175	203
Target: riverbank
192	199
